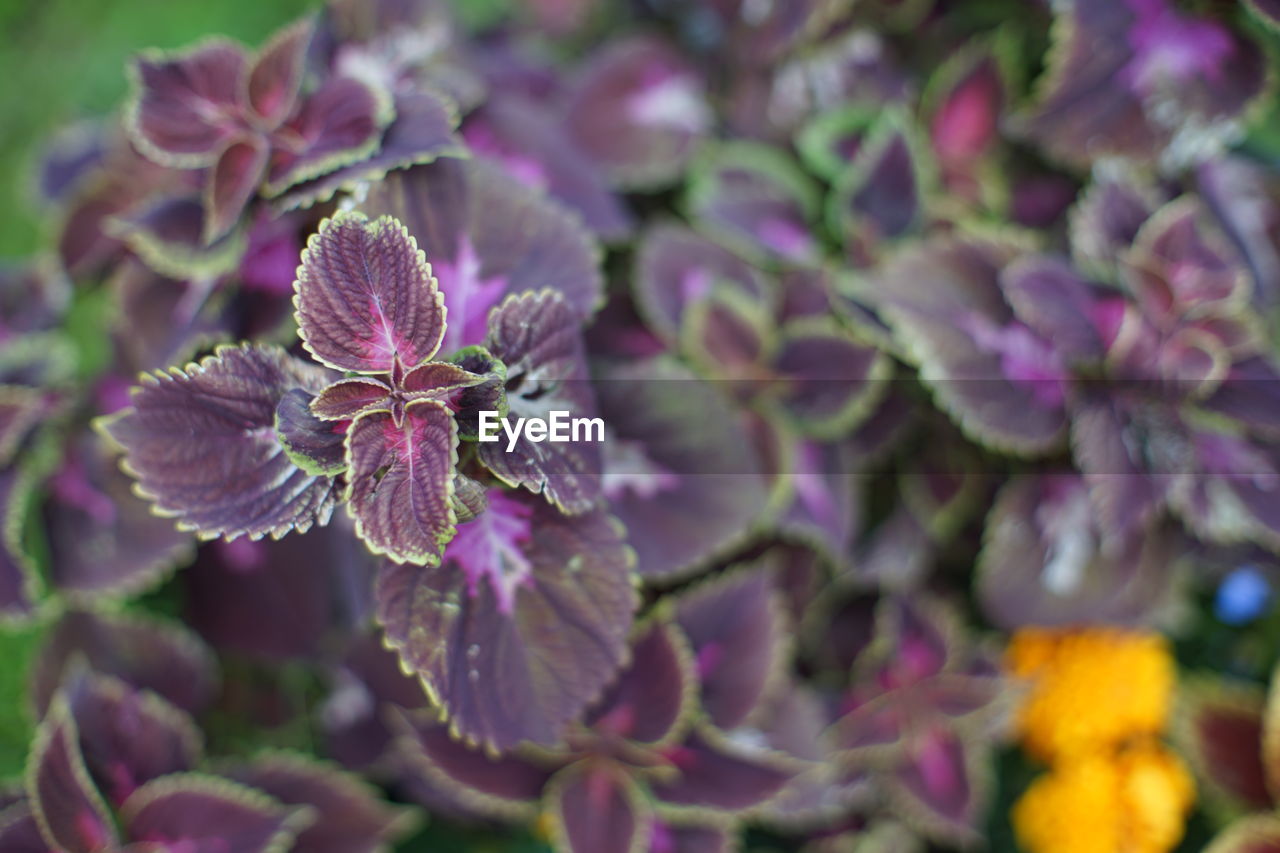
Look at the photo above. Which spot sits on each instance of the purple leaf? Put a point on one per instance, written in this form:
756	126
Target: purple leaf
830	381
338	124
187	105
350	816
1105	222
232	183
72	816
943	786
313	445
597	808
201	443
401	480
275	79
880	197
686	488
537	337
700	837
534	148
69	158
192	811
739	634
1220	730
638	109
676	267
347	398
103	540
19	831
151	655
423	130
522	626
128	737
366	298
277	601
488	236
1123	77
653	699
996	378
1044	561
757	200
168	233
1048	296
714	773
509	786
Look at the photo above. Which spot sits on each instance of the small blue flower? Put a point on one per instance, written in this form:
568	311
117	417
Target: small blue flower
1243	596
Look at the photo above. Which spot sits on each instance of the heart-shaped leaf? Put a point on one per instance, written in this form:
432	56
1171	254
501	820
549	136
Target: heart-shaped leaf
523	624
201	443
401	480
366	298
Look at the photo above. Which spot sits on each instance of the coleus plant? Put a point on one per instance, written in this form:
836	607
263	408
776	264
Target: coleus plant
93	784
267	443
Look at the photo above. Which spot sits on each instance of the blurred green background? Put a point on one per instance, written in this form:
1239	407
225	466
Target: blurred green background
63	60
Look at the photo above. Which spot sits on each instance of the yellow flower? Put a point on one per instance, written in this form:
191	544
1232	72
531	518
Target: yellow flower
1090	688
1131	801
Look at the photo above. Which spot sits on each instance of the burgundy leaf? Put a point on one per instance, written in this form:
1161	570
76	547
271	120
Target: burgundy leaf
1043	560
439	380
1057	304
72	816
996	378
1111	90
596	808
966	119
350	816
1105	222
276	76
638	109
103	540
537	337
676	267
739	636
507	786
686	488
201	443
694	837
232	183
187	105
522	626
189	810
757	199
401	479
1220	728
338	124
942	785
423	130
654	697
535	148
313	445
128	737
19	831
168	233
347	398
830	380
366	298
489	236
714	773
148	654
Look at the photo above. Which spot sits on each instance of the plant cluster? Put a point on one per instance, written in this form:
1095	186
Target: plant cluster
935	347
